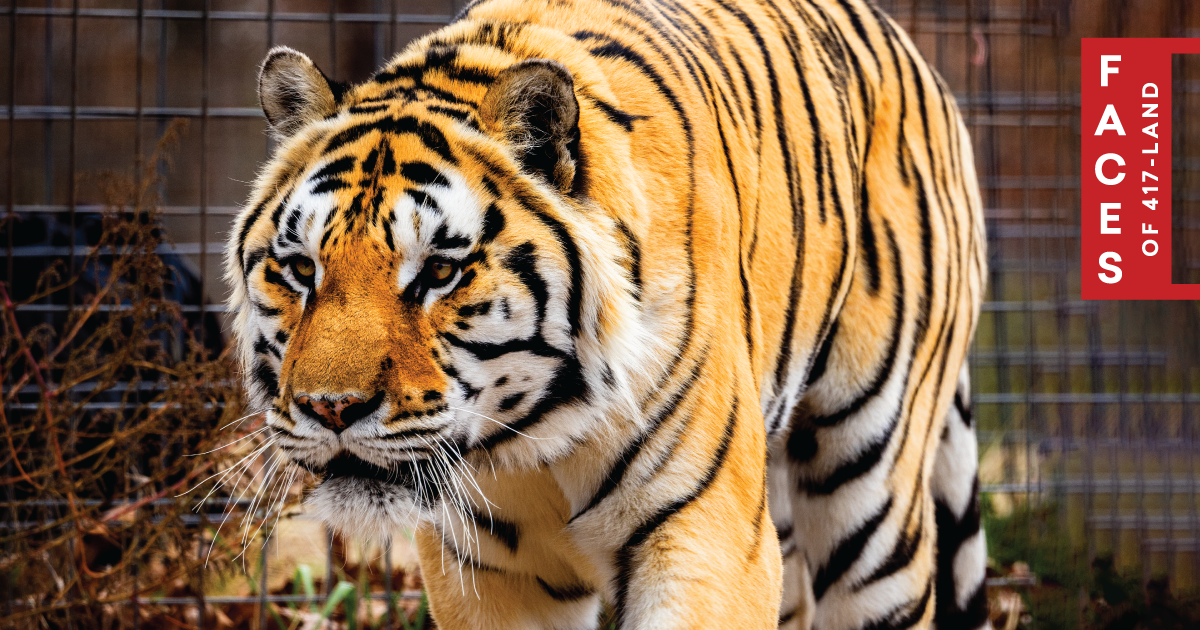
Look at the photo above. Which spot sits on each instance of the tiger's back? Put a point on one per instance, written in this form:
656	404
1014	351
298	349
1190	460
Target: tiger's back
771	254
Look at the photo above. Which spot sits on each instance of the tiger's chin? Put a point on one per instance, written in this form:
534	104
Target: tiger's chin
359	499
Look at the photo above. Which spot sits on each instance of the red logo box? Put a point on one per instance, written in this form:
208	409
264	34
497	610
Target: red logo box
1125	186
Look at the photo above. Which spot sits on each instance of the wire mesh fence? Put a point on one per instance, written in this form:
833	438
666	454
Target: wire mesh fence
1088	411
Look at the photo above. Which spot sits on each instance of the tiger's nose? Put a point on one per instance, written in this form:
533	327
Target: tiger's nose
338	413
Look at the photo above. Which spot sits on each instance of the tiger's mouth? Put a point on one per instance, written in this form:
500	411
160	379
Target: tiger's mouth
347	465
357	497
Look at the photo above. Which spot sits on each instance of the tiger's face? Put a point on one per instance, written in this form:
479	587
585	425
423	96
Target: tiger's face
411	289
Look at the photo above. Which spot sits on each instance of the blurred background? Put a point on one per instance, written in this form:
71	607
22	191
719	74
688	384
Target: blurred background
129	133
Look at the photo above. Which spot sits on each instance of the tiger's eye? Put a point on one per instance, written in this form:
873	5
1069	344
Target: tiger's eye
304	267
441	270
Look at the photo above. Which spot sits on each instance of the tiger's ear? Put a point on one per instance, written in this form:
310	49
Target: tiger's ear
294	92
532	106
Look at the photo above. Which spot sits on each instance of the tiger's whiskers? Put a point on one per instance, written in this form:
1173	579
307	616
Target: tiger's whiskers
494	420
247	436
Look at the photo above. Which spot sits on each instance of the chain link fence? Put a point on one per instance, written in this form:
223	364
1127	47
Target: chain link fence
1089	412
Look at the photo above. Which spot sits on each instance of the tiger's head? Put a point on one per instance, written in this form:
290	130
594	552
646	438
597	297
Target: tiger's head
418	281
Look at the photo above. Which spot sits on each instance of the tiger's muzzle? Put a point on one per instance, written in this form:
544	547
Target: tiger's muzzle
336	414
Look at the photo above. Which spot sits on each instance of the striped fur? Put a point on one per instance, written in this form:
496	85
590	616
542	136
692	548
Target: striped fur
658	303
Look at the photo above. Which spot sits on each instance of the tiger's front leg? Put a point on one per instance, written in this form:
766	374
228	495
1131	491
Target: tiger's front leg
676	535
473	595
679	524
698	569
507	562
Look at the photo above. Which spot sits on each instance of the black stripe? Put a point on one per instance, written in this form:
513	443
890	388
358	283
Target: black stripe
352	211
389	160
262	346
440	55
423	174
511	401
952	531
901	556
489	351
522	262
862	463
747	303
493	224
423	200
505	531
568	593
388	224
329	185
635	258
759	511
465	281
795	194
926	261
821	362
937	175
265	375
466	560
661	32
277	279
458	72
292	232
617	116
430	136
266	311
570	251
491	186
252	260
700	36
696	66
251	219
397	72
464	117
333	169
847	552
943	337
870	250
897	621
964	411
442	239
947	614
856	22
421	93
366	109
825	325
819	160
906	545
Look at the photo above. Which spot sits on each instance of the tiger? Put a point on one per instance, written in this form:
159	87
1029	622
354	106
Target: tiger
656	310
